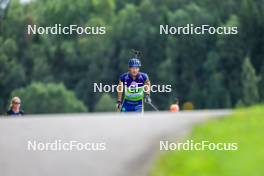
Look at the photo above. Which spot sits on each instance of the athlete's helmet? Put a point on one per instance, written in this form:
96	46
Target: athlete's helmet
134	62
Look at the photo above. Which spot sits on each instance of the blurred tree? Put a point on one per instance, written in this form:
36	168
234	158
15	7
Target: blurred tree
105	104
12	74
217	96
48	98
203	69
251	30
250	95
94	67
261	84
188	53
231	52
3	5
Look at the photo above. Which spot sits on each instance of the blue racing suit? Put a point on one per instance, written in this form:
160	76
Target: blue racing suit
133	92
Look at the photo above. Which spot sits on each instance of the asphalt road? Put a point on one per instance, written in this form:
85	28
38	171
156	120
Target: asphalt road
131	142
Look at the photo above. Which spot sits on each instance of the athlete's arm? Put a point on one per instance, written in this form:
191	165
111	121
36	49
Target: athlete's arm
119	91
147	87
146	84
119	95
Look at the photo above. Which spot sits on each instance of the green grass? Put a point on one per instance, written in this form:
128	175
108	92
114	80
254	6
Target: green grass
244	126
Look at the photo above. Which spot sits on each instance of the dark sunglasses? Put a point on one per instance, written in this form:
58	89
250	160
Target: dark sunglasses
17	103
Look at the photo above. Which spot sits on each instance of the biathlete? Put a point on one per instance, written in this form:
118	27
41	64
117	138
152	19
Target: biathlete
133	88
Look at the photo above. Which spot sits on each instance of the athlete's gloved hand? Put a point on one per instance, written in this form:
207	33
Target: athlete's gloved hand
147	99
118	105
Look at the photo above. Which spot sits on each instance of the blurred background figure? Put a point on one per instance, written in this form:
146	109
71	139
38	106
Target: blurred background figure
175	106
14	109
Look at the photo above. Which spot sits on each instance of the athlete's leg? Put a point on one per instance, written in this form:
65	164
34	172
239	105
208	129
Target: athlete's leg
132	106
139	107
123	107
127	107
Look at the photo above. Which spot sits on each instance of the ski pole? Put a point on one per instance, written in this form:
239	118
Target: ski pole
153	106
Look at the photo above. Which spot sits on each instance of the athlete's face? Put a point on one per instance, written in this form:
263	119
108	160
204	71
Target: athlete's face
133	71
16	104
